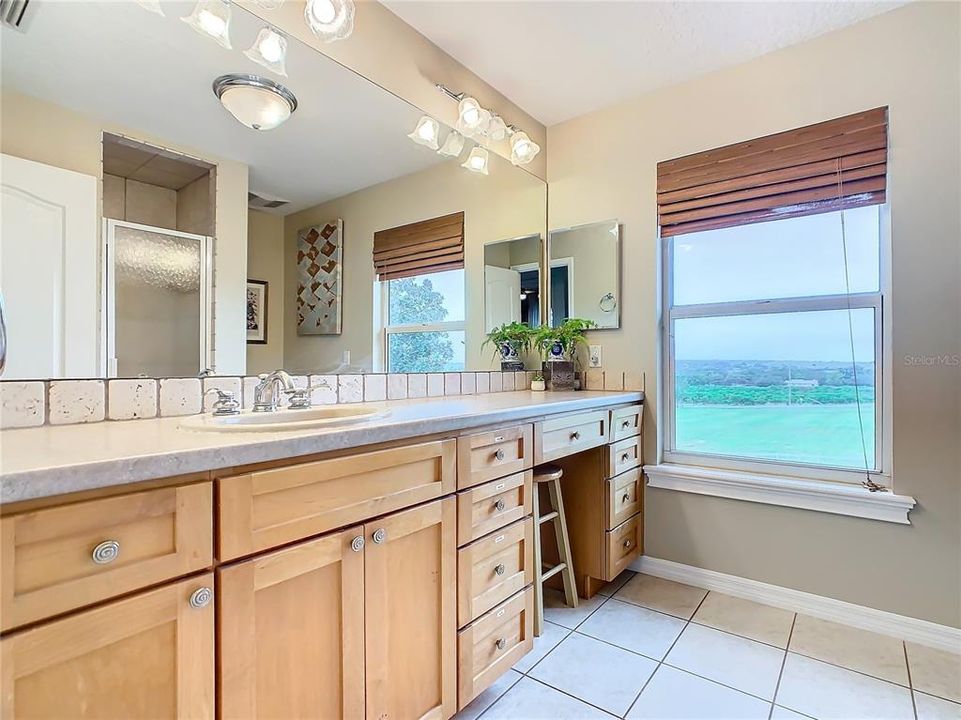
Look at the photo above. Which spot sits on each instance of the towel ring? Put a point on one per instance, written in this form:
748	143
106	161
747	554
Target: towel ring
607	303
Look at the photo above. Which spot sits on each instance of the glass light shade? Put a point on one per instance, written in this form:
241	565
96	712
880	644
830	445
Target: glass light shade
330	19
477	160
426	132
497	128
453	145
523	149
211	18
257	102
270	51
152	5
472	119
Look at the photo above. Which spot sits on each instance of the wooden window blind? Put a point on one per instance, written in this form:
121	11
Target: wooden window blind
428	246
837	164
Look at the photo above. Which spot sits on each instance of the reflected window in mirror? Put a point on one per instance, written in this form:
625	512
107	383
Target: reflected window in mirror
585	273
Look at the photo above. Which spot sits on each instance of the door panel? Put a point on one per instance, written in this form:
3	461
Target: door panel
503	296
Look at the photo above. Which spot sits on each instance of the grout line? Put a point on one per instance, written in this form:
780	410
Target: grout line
777	685
580	700
914	705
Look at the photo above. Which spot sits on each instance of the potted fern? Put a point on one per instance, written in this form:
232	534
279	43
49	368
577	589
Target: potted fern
558	348
510	341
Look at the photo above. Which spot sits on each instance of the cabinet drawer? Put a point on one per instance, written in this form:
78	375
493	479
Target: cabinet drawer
266	508
624	543
559	437
488	455
63	558
489	647
624	497
491	506
493	568
624	455
626	422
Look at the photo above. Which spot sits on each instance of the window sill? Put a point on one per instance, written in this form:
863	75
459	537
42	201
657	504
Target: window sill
778	490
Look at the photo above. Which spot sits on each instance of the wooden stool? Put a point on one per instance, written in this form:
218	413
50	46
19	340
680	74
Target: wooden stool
551	475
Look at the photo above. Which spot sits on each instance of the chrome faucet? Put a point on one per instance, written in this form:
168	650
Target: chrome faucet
267	392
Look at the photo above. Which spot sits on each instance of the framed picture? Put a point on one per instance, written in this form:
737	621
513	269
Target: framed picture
320	250
256	312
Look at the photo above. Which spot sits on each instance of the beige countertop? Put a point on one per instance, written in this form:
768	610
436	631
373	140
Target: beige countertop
54	460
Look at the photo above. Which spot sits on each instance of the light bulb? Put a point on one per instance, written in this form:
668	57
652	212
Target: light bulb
472	119
323	11
211	18
497	128
426	132
271	47
330	19
270	51
476	161
523	149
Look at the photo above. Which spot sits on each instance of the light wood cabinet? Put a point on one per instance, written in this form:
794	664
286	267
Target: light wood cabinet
491	506
558	437
147	656
493	568
493	454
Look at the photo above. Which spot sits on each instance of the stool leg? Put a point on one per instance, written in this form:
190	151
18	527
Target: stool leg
563	542
538	582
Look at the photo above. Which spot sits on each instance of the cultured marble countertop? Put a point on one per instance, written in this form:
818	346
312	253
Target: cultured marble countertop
55	460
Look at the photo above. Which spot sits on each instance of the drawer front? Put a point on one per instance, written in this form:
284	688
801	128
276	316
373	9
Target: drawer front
491	506
488	455
624	497
493	568
625	455
492	645
559	437
626	422
63	558
624	544
267	508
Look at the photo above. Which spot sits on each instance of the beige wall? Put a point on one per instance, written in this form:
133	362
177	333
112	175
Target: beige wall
603	165
51	134
508	203
265	261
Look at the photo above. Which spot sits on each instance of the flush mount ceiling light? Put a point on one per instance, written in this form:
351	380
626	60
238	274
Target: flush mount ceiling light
477	160
270	51
426	132
472	119
255	101
211	18
330	19
523	149
152	5
452	145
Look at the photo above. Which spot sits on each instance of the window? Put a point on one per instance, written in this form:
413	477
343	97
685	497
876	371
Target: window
424	329
772	346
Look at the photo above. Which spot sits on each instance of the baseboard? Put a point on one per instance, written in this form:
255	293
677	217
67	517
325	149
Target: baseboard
902	627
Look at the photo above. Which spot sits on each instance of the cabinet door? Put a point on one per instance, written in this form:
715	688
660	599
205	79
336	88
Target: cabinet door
150	656
410	567
292	631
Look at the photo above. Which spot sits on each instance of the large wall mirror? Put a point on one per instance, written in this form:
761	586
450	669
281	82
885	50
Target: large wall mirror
585	268
147	231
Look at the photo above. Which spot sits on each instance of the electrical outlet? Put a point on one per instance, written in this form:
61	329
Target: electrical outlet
595	356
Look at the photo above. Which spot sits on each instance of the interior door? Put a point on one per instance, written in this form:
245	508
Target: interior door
49	270
503	296
410	572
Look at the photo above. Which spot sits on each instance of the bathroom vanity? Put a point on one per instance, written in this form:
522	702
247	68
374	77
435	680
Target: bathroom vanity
381	569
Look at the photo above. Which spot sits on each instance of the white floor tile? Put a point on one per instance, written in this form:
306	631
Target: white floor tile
664	595
731	660
749	619
934	708
867	652
672	693
616	584
782	713
935	672
550	638
487	698
633	627
829	692
531	700
556	611
595	672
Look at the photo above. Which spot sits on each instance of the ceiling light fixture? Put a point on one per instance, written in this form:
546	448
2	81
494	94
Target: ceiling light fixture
426	132
330	19
211	18
523	149
477	160
152	5
255	101
472	119
270	51
453	145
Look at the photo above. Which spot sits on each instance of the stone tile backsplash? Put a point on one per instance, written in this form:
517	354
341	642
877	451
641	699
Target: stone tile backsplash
63	402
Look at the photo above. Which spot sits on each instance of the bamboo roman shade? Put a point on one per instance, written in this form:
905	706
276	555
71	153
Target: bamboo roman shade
428	246
840	163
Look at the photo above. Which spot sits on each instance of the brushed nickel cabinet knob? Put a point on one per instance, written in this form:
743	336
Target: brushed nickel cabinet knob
357	544
200	598
106	552
499	455
500	505
379	536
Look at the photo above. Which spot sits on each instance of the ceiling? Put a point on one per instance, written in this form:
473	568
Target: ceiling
121	63
558	59
147	164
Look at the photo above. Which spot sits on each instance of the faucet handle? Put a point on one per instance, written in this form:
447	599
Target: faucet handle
300	398
226	403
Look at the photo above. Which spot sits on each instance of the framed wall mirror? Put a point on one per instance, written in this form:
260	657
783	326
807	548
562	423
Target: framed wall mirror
513	282
585	272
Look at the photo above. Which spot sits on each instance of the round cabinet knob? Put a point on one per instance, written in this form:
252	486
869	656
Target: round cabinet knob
625	457
379	536
500	505
499	455
500	569
501	643
200	598
357	544
106	552
625	497
627	543
575	435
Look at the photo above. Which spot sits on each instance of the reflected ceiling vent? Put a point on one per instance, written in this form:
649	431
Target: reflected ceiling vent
264	202
13	13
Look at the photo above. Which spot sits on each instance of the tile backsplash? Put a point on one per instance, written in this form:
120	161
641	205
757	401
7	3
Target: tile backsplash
31	403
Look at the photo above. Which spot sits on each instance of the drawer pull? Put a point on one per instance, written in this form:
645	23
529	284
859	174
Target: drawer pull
626	424
200	598
500	505
625	497
499	455
499	438
627	543
500	644
357	544
106	552
576	435
500	569
625	457
379	536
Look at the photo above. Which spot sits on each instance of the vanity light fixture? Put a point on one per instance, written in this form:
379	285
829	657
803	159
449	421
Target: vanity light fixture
426	132
453	145
330	20
270	51
211	18
255	101
152	5
497	129
477	160
472	119
523	149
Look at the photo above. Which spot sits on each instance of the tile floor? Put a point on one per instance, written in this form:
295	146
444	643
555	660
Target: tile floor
651	648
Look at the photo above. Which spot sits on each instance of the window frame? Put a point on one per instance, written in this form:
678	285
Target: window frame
878	301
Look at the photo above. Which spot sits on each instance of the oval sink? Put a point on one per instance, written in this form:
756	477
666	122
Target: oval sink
316	417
